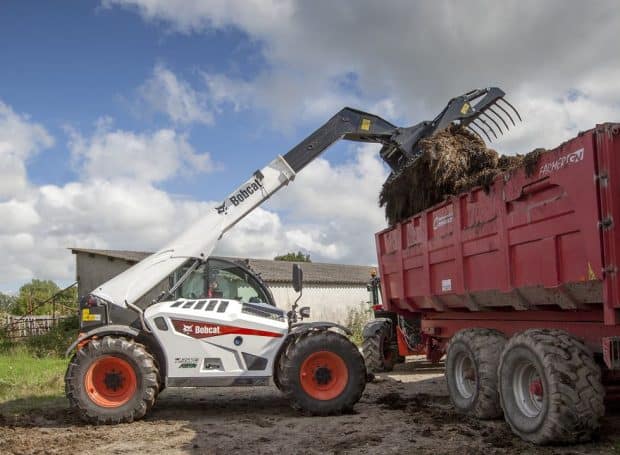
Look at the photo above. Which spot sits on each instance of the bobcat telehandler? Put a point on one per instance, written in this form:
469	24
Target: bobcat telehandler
217	325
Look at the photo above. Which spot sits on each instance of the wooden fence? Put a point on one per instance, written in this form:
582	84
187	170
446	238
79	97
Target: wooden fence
18	327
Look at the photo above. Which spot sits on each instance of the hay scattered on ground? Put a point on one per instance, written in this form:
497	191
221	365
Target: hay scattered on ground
453	160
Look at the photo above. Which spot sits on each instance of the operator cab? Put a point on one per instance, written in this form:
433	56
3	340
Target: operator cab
222	279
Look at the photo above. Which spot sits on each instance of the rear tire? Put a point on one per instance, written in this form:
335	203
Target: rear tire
112	380
322	373
550	387
378	353
471	372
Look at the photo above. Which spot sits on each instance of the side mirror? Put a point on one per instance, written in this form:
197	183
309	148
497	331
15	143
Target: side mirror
298	277
304	312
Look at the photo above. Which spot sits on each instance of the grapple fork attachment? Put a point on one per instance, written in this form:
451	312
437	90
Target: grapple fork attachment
483	108
484	111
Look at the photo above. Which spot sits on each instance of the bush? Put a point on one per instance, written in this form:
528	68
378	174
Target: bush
356	320
55	342
6	344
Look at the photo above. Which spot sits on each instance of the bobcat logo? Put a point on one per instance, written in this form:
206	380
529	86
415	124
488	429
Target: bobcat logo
188	328
221	208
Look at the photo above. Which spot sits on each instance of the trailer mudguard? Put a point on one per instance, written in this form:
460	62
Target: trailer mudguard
103	331
371	327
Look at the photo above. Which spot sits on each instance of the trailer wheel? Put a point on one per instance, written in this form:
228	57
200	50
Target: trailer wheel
322	373
112	380
550	387
471	372
378	352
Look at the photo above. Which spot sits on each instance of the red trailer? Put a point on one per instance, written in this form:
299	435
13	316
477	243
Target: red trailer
518	285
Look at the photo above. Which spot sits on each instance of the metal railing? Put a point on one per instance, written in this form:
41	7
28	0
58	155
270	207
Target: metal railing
16	327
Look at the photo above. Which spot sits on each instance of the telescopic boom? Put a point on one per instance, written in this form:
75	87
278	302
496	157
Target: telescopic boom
400	148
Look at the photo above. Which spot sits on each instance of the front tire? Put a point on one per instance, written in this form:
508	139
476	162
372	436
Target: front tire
112	380
550	387
322	373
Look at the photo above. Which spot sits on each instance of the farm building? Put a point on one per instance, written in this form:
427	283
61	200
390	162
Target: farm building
330	290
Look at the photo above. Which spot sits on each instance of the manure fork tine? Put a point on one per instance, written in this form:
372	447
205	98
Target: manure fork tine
511	107
469	128
481	129
493	120
506	112
487	125
499	117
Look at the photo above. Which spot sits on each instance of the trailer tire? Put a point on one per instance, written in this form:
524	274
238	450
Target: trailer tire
112	380
322	373
471	372
550	387
378	355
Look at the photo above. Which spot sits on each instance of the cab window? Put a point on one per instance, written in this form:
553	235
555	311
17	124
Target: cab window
220	279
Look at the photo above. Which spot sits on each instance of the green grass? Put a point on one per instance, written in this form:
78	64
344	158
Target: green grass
27	382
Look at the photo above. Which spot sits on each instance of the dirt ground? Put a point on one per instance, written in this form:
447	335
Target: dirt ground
407	411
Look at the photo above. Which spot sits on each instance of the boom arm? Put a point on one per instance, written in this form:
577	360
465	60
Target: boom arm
199	240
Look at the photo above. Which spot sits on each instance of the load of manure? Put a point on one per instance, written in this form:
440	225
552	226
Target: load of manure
452	161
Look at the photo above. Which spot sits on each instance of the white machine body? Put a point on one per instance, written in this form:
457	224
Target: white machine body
217	342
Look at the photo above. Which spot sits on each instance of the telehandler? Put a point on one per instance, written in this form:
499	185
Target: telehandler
218	324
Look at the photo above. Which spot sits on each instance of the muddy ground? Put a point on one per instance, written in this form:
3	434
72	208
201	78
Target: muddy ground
407	411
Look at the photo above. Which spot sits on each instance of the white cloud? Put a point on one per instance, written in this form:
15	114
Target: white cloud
196	15
290	101
409	58
17	216
165	93
144	157
316	242
120	214
115	205
329	211
20	139
403	60
260	234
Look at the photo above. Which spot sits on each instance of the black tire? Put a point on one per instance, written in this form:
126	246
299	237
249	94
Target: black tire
471	372
337	346
569	403
125	352
377	350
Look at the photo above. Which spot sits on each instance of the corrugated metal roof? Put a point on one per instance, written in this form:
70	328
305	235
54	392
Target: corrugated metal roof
269	270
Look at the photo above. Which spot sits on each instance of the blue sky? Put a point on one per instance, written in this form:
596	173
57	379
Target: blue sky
75	62
122	121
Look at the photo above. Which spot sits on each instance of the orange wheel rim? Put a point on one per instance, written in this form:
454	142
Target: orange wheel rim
110	382
324	375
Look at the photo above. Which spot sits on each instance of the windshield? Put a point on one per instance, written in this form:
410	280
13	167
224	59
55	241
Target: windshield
220	279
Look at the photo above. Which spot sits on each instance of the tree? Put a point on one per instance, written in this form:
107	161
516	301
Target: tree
293	257
32	296
7	302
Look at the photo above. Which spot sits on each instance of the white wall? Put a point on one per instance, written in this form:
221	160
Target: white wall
326	303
